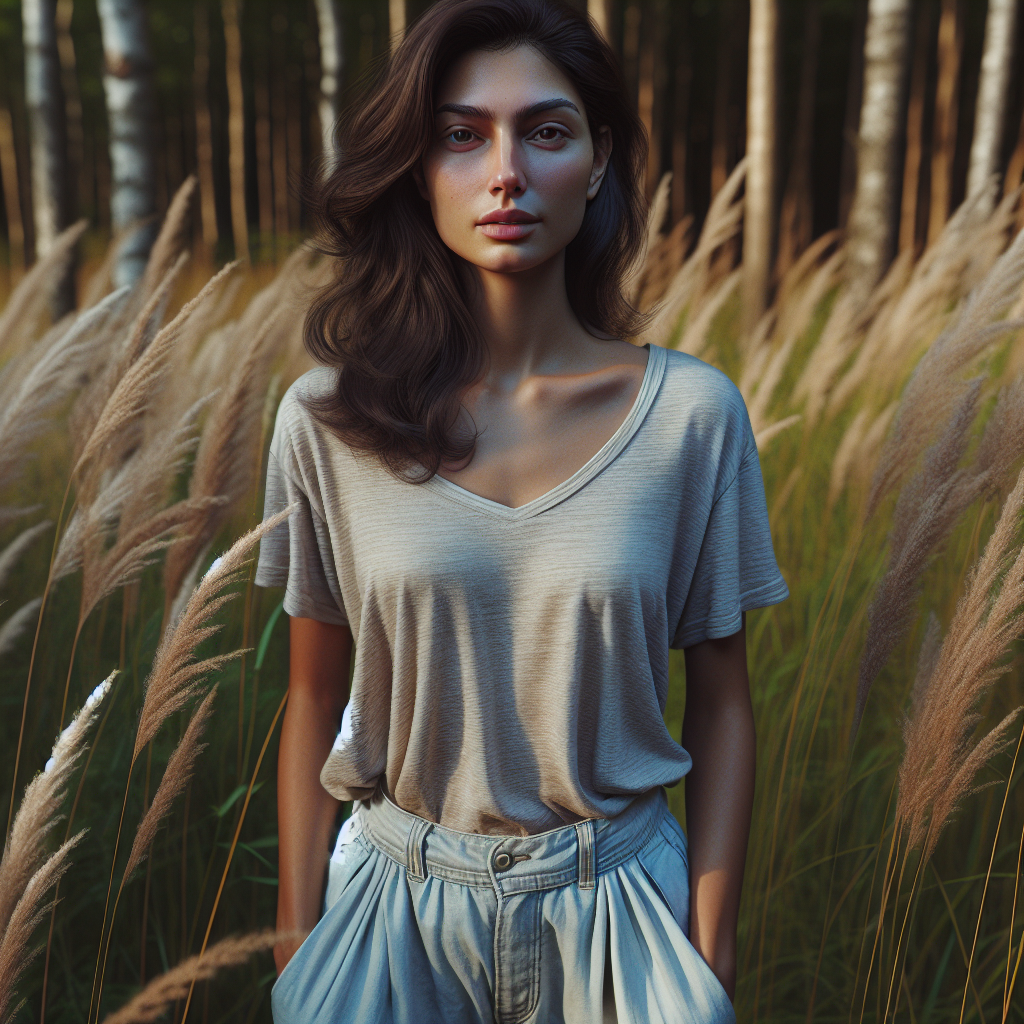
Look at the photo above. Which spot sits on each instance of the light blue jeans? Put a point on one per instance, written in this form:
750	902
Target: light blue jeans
425	925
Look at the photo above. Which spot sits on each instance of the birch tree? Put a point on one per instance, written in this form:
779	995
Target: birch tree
44	100
990	112
396	21
872	216
331	65
760	183
128	87
600	16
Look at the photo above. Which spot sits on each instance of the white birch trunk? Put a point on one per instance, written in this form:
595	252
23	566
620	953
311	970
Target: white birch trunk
599	15
759	203
990	112
331	66
47	135
128	86
396	21
872	216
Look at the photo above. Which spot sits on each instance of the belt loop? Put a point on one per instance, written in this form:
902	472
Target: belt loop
585	853
414	861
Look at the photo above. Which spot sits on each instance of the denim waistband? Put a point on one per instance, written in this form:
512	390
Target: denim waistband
510	864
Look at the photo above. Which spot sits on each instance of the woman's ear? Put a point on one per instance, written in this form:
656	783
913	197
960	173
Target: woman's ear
602	154
421	182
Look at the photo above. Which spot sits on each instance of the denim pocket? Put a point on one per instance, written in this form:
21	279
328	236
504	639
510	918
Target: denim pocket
664	863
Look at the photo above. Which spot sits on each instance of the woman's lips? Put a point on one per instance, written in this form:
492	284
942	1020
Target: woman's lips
504	232
507	225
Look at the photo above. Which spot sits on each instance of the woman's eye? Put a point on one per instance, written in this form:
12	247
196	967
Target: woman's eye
460	136
548	134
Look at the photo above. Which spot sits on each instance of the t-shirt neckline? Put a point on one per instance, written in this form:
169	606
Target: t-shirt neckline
653	374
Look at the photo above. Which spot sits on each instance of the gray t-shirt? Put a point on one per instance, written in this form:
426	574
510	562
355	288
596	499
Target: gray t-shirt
511	665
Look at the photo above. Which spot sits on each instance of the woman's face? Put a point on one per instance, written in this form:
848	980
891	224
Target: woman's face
513	161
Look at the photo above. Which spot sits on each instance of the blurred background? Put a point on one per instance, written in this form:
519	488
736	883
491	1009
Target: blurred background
106	107
835	223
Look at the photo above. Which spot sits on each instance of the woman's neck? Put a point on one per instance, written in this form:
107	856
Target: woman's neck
526	322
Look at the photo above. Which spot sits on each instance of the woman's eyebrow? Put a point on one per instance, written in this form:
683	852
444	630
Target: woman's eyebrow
521	114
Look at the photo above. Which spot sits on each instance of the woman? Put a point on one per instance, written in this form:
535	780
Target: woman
511	514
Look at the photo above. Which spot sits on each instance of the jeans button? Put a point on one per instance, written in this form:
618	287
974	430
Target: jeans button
502	862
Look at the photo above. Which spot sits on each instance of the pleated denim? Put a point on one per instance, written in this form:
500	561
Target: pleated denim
586	924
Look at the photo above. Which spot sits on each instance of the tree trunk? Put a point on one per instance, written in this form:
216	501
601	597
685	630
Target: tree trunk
872	214
264	157
721	154
760	183
128	86
279	123
681	111
647	91
12	194
204	128
44	102
72	106
990	112
915	132
332	53
796	219
851	118
230	10
946	112
396	21
600	15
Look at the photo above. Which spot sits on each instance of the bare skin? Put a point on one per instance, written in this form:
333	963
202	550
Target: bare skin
512	134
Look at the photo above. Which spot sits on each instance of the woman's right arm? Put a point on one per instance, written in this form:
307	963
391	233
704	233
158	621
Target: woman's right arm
321	654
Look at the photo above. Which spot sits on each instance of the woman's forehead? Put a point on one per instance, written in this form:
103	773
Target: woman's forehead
505	81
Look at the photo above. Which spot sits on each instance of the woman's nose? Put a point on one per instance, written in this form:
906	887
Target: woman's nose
507	174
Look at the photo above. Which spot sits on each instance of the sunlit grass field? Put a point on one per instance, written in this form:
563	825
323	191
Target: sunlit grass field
884	860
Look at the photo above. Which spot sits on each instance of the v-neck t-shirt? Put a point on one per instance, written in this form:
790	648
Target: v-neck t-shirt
512	664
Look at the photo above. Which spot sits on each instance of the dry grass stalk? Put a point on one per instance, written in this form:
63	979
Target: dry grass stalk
928	508
29	300
13	552
691	280
107	571
15	954
226	461
133	393
695	335
936	382
1002	442
26	872
941	761
175	677
54	375
179	770
121	354
158	995
16	625
173	239
765	434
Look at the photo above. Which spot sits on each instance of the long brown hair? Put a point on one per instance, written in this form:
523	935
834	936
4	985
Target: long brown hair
395	320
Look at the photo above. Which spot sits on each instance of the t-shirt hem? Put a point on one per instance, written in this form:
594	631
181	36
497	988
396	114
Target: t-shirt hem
301	607
715	628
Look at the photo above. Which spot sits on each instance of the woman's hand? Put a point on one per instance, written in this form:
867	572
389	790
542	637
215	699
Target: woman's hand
718	733
317	691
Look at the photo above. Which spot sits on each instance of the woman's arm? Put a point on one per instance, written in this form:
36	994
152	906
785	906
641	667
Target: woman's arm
718	733
317	691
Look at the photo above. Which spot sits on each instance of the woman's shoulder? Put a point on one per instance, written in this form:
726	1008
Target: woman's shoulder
297	430
697	391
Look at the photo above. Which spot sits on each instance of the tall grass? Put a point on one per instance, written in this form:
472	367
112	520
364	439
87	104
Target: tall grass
884	863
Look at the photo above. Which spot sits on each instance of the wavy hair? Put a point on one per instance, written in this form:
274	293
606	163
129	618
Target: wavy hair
395	320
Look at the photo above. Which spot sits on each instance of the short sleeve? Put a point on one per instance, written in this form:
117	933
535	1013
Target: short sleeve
297	554
736	568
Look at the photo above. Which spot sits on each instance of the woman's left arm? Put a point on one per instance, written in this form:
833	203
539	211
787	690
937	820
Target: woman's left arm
718	733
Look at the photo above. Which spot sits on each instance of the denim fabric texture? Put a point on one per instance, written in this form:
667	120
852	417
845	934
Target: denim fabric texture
585	924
